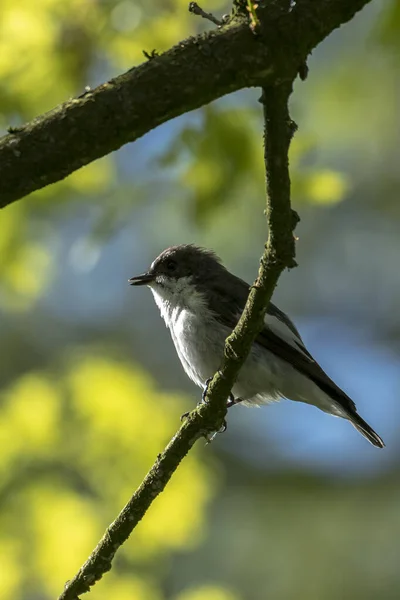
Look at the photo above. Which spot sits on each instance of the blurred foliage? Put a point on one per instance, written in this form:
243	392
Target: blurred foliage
76	439
388	32
24	263
207	593
224	151
75	444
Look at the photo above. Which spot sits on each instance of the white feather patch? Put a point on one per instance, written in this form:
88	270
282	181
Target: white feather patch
285	333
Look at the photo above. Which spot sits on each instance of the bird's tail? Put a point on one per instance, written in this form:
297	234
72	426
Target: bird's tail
365	430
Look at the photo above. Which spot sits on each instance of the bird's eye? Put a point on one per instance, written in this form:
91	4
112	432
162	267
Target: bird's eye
171	265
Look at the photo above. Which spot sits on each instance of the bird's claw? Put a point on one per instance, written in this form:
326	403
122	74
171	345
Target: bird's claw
231	400
224	427
211	438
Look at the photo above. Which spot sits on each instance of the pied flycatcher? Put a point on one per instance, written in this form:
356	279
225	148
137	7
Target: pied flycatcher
201	302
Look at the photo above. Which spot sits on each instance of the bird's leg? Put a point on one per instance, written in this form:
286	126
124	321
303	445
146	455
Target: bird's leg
231	402
202	400
231	398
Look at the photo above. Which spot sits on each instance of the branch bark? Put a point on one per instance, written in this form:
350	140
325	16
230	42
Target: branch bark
191	74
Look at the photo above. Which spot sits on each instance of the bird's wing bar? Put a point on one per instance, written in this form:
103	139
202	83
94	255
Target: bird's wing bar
280	324
305	364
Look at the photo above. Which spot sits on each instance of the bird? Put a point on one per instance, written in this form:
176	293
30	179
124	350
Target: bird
201	302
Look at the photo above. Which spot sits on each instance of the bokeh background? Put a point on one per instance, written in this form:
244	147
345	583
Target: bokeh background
289	503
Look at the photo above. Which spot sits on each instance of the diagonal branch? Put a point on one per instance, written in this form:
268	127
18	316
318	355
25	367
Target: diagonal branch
277	75
191	74
199	424
278	254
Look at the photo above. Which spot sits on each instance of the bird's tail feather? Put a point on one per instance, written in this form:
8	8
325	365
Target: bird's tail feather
365	430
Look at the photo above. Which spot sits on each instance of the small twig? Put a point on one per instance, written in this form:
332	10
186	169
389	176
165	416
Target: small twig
279	129
150	55
252	10
196	10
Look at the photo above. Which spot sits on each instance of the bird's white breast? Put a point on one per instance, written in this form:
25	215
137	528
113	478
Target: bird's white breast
193	329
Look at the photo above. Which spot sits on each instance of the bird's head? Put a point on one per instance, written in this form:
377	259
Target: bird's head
179	269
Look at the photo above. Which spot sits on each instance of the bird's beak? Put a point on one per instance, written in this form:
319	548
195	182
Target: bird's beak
144	279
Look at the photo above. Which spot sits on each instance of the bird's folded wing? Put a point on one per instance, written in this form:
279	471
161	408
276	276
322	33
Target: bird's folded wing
280	337
303	362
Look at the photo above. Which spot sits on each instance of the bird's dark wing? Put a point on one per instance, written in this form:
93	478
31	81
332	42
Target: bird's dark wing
304	363
279	336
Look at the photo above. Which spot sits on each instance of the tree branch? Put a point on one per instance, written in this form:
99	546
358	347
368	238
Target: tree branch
191	74
278	254
278	73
